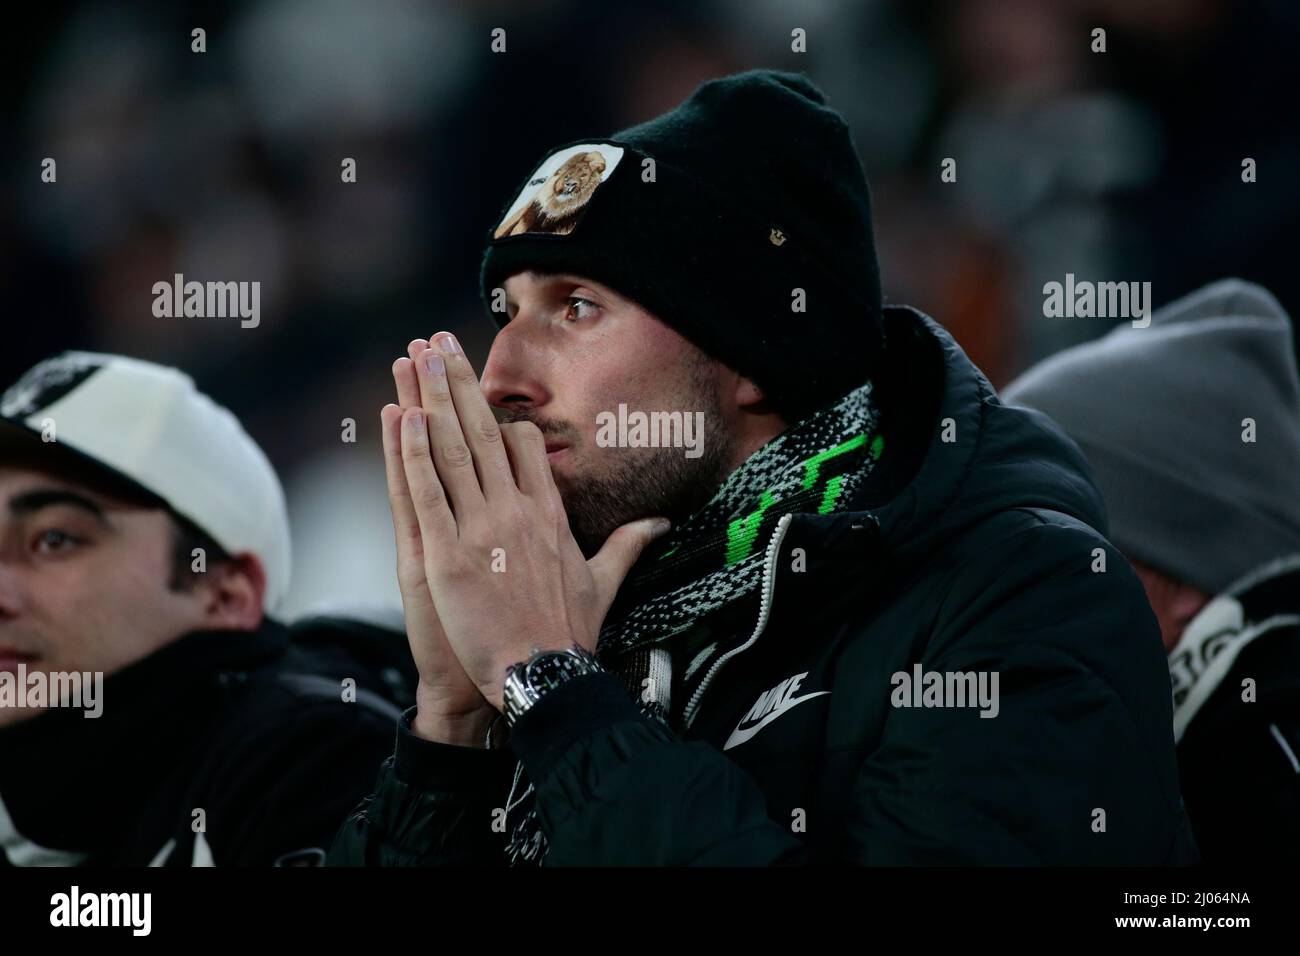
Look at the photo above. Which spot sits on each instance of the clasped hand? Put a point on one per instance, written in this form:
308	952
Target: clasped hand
488	568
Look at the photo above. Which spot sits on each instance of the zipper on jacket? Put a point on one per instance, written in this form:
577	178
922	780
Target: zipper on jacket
764	613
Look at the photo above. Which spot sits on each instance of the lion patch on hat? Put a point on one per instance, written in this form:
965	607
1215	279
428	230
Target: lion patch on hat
554	197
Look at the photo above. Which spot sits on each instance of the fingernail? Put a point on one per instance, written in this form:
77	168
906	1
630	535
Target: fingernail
416	420
447	342
435	364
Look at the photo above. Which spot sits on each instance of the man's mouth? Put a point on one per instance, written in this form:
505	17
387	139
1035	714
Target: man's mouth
554	445
11	657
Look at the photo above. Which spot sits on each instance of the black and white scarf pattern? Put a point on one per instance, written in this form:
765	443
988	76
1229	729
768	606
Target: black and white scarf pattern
1249	610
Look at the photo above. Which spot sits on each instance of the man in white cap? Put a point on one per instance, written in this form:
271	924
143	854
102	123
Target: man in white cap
151	712
1192	427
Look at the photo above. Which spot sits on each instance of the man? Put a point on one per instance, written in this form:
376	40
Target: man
874	632
1192	426
150	711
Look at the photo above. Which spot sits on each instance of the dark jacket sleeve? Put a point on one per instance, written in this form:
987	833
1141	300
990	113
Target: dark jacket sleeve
1084	726
433	805
615	788
278	786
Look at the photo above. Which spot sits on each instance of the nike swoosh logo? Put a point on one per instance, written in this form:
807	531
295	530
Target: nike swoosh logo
739	736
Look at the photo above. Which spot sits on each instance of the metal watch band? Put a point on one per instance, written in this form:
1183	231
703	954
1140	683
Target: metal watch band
529	681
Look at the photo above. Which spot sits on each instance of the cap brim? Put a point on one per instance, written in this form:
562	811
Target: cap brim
21	443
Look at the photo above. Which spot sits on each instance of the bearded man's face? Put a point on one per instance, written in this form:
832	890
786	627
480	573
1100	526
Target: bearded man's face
573	352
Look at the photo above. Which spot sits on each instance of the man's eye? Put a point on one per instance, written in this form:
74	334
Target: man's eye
55	541
580	308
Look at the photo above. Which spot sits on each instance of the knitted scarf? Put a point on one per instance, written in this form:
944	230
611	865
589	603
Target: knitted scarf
711	560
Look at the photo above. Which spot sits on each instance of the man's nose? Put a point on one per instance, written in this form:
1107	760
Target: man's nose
10	591
508	379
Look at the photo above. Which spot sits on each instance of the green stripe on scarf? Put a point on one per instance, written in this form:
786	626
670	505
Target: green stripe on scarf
742	532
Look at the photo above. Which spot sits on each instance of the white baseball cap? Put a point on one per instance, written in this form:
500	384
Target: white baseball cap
149	424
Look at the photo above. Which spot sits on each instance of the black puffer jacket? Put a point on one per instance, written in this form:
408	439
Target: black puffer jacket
224	748
983	556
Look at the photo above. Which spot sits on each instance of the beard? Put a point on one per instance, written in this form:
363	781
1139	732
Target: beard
625	484
641	483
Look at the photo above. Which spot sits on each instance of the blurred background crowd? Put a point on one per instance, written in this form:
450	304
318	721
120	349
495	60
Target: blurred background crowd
1122	166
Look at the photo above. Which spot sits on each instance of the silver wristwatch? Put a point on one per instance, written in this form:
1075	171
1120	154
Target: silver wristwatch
531	680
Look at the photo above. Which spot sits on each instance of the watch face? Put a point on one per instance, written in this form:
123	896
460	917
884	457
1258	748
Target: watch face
551	670
527	682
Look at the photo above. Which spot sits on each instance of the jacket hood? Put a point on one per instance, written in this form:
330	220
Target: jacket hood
977	457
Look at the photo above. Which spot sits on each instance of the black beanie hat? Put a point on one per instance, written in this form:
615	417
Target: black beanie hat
710	217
